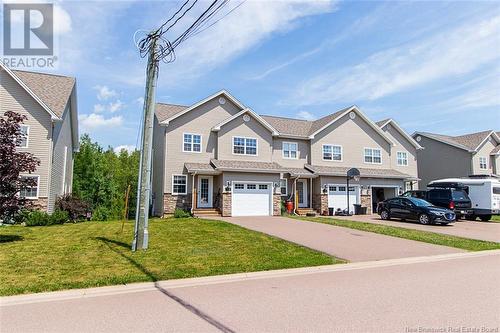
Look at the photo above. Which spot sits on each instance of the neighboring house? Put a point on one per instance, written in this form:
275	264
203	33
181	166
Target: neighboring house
447	156
49	103
220	155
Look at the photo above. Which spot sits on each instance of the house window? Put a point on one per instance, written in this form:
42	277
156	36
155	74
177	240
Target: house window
290	150
262	187
30	192
373	156
283	187
23	141
244	146
402	157
192	143
483	164
251	186
239	186
332	153
179	184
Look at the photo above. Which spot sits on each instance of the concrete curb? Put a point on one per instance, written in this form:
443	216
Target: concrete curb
208	280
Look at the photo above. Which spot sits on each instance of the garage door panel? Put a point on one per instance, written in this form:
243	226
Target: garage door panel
337	197
251	199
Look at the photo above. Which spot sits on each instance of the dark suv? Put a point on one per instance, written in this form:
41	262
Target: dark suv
455	199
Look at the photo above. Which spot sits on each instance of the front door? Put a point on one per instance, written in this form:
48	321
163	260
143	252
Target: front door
302	192
205	184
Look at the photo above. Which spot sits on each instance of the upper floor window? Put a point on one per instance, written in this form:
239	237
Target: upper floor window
290	150
373	155
483	163
332	153
23	141
244	146
402	158
192	143
30	192
179	184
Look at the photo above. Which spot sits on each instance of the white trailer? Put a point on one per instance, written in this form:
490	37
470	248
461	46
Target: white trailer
483	192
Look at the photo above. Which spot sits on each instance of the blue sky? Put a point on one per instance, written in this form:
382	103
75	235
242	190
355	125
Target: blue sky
431	66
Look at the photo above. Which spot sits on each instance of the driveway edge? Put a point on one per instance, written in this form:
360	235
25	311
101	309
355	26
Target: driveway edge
208	280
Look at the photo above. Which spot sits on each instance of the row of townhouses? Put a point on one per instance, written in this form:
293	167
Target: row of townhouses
220	156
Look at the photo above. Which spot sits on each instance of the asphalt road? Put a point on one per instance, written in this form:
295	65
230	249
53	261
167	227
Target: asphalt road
454	293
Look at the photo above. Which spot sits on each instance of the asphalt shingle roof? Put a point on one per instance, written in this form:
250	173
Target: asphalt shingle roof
364	172
199	167
246	165
469	141
53	90
164	111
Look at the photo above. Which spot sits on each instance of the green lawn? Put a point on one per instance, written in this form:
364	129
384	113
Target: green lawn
495	218
417	235
36	259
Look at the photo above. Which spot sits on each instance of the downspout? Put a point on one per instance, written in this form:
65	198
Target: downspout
192	194
295	201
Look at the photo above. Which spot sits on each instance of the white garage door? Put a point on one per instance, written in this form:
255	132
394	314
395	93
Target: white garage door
337	197
251	199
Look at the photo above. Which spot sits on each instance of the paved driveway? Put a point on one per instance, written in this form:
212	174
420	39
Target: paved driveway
345	243
489	231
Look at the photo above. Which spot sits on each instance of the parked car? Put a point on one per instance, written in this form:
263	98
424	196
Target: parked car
408	208
483	191
455	199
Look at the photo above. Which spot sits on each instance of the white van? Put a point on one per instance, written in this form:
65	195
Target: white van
483	192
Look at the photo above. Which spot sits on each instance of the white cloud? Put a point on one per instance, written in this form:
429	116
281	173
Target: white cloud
452	53
116	106
62	21
128	148
305	115
94	121
105	93
139	100
99	108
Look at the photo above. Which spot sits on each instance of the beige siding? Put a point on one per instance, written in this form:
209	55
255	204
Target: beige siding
250	129
14	98
401	144
198	121
484	151
353	136
302	153
62	160
439	160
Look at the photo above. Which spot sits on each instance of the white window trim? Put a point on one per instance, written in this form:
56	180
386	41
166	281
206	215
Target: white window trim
27	136
364	161
397	159
37	186
245	137
332	145
192	143
296	150
485	163
286	187
179	193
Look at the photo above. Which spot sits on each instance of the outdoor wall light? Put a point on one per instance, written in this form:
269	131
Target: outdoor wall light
325	189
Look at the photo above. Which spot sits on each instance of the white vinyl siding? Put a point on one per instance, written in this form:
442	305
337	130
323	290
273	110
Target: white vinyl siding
25	132
402	158
483	163
372	156
290	150
244	146
179	184
332	153
30	192
191	143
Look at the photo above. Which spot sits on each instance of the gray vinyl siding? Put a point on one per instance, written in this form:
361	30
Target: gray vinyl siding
439	160
484	151
401	144
302	153
158	167
251	129
62	160
14	98
198	121
353	136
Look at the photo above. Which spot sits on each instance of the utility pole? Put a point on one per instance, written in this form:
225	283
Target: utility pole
141	236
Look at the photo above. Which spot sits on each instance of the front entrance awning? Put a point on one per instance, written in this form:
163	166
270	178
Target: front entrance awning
247	166
201	168
364	172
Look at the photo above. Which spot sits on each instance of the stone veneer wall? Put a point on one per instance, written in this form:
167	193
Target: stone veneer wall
276	204
366	201
320	202
40	203
226	204
173	201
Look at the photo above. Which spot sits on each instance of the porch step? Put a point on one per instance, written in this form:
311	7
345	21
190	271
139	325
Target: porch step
305	211
201	212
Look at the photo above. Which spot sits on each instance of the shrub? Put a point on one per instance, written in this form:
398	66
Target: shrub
36	218
59	217
180	213
102	214
76	208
